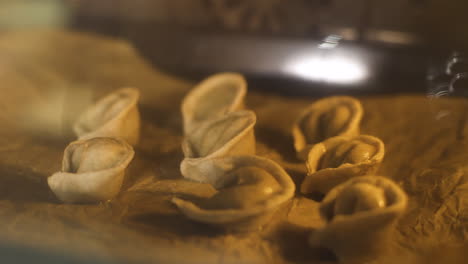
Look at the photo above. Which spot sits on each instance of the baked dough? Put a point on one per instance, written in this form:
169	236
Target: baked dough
232	134
360	215
250	190
115	115
214	97
92	170
326	118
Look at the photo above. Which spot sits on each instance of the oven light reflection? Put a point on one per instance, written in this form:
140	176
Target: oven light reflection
337	69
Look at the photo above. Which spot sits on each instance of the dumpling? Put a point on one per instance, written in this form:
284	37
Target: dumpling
338	159
250	186
232	134
214	97
250	190
115	115
92	170
326	118
360	215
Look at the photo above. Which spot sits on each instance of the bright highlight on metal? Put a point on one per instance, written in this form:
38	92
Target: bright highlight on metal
338	70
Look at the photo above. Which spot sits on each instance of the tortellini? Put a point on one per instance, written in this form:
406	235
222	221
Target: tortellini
232	134
250	187
250	190
215	125
340	158
115	115
359	197
214	97
326	118
354	151
360	215
92	170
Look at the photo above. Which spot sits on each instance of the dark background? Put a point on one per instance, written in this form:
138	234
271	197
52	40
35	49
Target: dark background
406	40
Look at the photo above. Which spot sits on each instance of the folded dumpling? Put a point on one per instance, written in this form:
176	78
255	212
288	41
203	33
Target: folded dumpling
338	159
249	190
92	170
115	115
212	98
360	215
228	135
326	118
